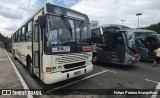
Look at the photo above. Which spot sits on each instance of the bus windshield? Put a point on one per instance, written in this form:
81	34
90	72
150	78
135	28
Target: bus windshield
64	34
130	38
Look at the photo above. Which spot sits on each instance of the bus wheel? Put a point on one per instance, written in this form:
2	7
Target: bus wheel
30	67
14	56
94	59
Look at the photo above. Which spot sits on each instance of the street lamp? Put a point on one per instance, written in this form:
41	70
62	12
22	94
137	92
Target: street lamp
138	17
123	21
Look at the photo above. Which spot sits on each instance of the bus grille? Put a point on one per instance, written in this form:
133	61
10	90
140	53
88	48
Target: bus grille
67	66
72	58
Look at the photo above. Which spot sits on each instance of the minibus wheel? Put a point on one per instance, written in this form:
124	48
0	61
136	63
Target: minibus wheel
94	59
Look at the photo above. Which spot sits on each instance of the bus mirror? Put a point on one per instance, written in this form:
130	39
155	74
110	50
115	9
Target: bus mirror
42	21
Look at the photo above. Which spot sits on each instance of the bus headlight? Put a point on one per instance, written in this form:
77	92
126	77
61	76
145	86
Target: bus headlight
132	58
60	67
54	69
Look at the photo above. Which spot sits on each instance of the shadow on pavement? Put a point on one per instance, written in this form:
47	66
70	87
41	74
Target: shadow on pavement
117	66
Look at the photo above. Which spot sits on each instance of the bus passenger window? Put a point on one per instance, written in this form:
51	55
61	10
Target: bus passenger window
23	34
36	33
29	32
14	37
19	38
95	32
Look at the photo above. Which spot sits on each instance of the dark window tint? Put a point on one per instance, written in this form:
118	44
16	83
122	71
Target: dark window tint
23	34
95	32
29	31
36	33
105	29
19	38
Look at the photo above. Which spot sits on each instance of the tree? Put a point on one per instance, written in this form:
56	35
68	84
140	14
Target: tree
3	38
154	27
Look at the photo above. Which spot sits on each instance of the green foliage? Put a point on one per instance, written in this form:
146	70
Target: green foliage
154	27
3	38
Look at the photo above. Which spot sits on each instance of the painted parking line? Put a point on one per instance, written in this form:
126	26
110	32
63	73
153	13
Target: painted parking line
108	70
19	76
157	89
78	81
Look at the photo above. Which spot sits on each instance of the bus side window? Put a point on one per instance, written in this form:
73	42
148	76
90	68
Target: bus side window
19	38
15	37
36	33
29	31
94	35
95	32
23	34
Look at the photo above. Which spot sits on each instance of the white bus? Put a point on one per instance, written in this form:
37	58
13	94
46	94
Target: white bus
54	44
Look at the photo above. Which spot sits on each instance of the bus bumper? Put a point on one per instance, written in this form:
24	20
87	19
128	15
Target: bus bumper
50	78
130	60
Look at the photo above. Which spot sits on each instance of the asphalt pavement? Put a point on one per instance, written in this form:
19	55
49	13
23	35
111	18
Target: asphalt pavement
141	76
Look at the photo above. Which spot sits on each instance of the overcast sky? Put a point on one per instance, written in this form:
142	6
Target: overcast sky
14	12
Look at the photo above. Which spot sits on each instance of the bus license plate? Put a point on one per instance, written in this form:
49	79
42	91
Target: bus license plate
77	73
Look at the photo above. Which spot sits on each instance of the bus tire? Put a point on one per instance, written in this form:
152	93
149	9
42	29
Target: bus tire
94	59
31	69
29	66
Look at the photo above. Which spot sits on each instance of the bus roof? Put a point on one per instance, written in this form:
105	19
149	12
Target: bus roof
140	30
40	8
154	34
109	25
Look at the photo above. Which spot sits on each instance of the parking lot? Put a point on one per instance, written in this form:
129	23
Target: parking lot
103	79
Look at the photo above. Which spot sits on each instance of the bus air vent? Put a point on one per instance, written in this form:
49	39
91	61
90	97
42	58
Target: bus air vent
67	66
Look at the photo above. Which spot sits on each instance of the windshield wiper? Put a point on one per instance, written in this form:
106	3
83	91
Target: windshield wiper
68	26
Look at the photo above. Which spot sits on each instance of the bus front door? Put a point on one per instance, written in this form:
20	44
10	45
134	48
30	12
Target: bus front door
117	48
36	50
102	50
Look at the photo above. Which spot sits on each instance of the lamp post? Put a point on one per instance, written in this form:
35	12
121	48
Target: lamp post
138	17
123	21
